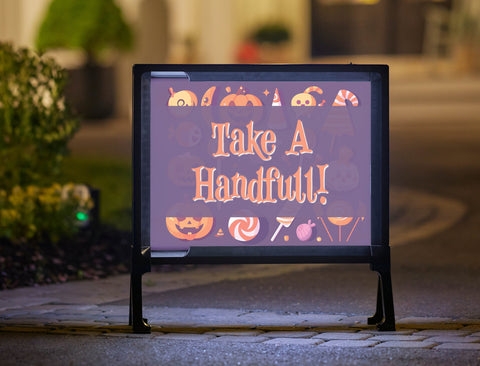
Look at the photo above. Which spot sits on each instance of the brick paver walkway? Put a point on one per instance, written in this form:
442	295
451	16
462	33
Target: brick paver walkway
221	325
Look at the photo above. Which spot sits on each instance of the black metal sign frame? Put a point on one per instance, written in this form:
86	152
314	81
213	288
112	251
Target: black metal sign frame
376	253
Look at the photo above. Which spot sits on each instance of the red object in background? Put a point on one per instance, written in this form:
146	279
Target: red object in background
248	53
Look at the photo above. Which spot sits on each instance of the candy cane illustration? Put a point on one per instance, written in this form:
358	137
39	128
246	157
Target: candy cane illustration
342	96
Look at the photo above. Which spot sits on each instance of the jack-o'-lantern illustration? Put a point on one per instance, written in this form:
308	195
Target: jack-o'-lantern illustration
241	107
189	228
241	99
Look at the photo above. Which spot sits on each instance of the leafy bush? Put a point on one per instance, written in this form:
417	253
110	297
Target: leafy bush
35	123
93	26
35	127
41	214
274	33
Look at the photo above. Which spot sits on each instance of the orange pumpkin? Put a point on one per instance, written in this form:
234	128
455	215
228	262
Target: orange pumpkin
241	99
189	228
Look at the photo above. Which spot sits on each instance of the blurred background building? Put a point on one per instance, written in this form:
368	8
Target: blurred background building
300	31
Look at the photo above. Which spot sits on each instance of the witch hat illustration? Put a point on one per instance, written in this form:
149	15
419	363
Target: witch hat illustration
277	118
338	121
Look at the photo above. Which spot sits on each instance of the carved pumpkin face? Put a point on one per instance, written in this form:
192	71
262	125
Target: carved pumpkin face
189	228
241	99
246	112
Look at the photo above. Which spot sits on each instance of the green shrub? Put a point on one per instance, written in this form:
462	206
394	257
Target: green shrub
35	123
93	26
39	214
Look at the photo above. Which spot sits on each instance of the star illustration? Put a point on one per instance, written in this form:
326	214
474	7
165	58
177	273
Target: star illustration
266	92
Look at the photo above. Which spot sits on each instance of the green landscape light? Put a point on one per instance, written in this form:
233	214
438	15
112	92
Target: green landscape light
82	216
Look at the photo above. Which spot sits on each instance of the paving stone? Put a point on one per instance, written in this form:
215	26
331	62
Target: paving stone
235	332
453	339
338	329
342	336
91	323
472	346
354	321
468	322
186	337
84	333
241	339
428	323
120	335
442	332
389	332
476	334
24	329
189	330
294	341
472	328
140	335
320	320
395	337
348	343
283	328
293	334
407	344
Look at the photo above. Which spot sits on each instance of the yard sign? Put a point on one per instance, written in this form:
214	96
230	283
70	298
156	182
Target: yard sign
261	164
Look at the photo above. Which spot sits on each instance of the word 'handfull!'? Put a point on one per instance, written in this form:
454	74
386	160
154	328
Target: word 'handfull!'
269	185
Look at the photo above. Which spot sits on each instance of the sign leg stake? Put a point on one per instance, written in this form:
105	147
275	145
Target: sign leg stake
378	316
384	316
136	319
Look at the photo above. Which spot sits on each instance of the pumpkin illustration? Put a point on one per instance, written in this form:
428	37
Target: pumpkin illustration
241	99
243	107
189	228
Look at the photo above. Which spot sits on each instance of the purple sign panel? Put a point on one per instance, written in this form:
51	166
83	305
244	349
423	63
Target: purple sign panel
251	163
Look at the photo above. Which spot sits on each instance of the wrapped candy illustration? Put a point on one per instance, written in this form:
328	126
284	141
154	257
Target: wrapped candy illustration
304	231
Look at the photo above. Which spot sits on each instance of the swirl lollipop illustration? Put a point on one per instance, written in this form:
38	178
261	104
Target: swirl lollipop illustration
244	228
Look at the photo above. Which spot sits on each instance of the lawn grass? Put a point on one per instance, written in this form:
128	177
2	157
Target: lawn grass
113	177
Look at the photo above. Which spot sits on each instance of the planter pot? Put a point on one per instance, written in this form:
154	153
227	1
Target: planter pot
466	57
90	90
275	53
